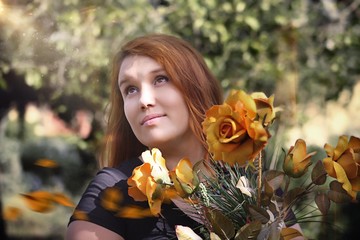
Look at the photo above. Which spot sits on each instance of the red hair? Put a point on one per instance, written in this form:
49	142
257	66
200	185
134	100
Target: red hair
187	70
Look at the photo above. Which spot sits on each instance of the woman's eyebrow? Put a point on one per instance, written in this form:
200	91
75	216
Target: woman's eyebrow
122	81
158	70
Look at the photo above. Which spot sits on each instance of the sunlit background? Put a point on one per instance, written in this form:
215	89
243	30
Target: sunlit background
54	68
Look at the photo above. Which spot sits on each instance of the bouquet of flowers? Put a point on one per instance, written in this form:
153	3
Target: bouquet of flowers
232	191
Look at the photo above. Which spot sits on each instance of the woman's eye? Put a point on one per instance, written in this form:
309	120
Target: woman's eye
160	80
130	90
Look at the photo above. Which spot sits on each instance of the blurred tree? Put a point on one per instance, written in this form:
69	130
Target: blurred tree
3	234
269	45
57	53
65	46
298	49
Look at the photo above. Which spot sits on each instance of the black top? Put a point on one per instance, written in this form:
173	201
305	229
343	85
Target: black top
130	229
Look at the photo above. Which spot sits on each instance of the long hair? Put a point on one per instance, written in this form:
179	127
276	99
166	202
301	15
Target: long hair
187	70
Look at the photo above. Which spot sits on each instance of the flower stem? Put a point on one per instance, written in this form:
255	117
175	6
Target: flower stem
259	179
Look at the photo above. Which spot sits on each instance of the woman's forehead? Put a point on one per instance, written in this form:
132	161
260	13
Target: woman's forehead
133	65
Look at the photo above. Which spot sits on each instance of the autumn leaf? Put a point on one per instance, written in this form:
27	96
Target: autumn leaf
11	213
80	215
39	201
111	198
63	200
46	163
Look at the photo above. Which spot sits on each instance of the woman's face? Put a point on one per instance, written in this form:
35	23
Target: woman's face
154	107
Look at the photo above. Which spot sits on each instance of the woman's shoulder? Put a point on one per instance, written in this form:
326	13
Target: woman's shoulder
128	166
93	200
108	176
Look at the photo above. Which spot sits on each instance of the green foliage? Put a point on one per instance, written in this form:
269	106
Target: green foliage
223	193
71	170
259	44
66	46
255	45
296	49
222	226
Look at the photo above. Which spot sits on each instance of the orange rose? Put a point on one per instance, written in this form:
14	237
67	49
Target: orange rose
184	178
150	181
233	130
264	107
297	160
343	163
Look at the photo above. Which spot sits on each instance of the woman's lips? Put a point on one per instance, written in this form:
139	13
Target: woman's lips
150	117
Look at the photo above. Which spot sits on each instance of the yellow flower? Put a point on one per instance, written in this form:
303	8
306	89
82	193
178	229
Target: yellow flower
233	130
137	182
150	181
159	171
297	160
343	163
155	194
184	179
264	107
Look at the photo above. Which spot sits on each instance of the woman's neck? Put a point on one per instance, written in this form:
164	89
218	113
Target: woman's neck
194	151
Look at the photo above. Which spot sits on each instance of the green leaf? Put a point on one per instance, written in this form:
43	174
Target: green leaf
267	194
274	178
265	200
249	231
323	203
274	208
292	195
196	180
222	225
274	230
271	231
252	22
318	174
337	187
269	190
3	84
337	194
258	214
33	78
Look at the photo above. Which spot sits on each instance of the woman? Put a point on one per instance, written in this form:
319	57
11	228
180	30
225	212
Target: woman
161	88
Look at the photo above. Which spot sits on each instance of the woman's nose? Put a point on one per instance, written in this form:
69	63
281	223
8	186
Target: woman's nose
147	97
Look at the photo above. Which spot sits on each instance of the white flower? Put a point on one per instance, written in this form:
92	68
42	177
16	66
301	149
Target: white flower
158	167
186	233
243	185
